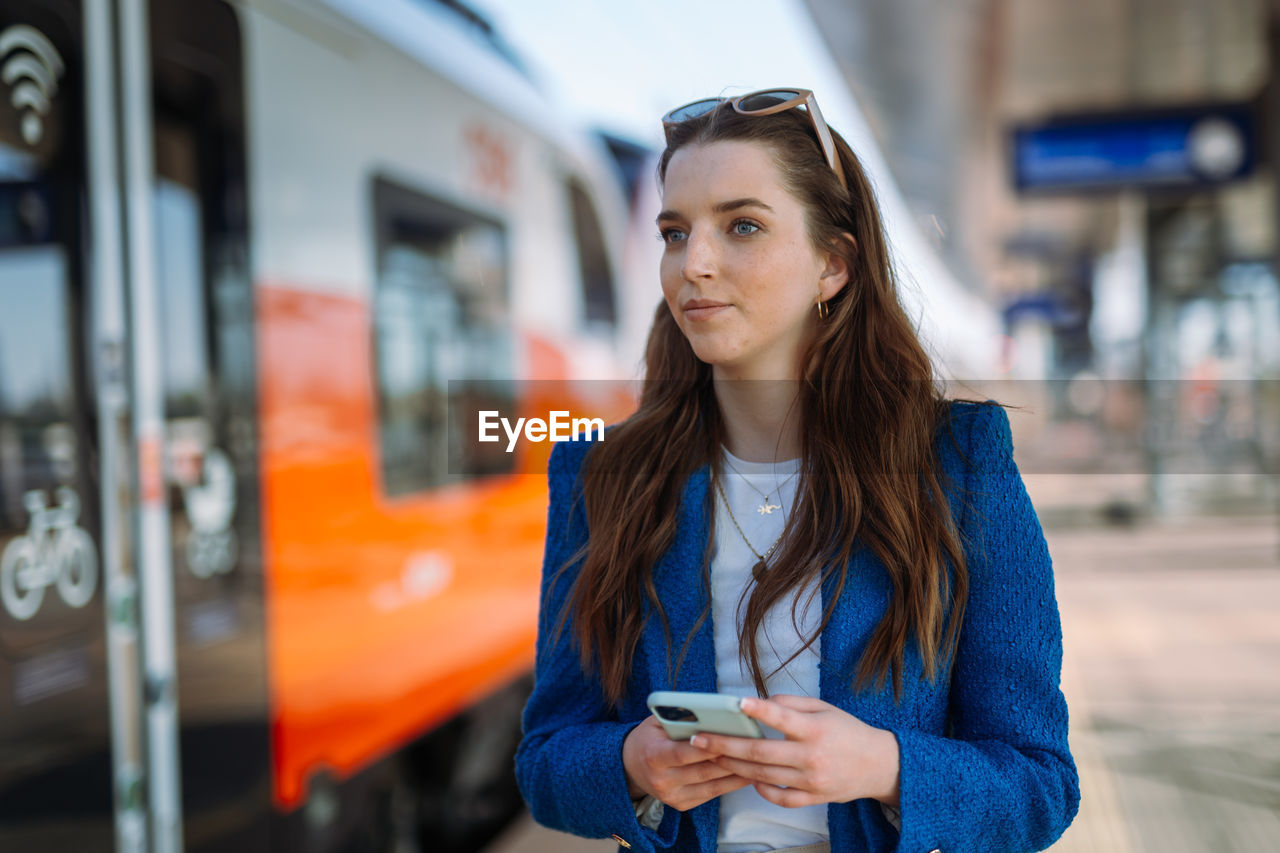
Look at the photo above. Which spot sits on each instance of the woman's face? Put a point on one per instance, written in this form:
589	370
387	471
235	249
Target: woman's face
739	271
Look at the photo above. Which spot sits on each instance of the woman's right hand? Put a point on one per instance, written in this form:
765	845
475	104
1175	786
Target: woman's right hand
679	775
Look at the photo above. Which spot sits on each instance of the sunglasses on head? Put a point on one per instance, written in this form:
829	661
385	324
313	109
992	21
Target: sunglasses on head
762	103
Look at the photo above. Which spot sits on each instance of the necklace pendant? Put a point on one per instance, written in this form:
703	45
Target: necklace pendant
767	508
758	570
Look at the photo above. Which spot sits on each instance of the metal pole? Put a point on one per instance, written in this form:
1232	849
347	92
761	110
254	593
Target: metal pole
1271	127
155	570
124	681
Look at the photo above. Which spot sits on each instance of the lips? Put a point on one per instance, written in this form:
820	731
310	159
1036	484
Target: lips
701	309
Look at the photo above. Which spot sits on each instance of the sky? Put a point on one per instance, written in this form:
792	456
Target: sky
621	65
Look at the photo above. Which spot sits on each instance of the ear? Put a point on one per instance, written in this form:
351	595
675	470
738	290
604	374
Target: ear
837	272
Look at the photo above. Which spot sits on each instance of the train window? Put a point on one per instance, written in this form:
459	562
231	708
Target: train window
442	337
180	253
593	260
37	447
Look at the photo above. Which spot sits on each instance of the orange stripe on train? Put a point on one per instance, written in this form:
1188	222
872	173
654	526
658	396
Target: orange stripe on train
384	616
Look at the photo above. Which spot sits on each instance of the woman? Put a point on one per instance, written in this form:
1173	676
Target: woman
787	400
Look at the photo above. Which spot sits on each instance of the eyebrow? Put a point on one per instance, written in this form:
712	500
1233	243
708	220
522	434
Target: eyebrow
722	207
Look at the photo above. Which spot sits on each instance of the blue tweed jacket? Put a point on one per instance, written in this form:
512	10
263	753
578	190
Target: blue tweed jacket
985	764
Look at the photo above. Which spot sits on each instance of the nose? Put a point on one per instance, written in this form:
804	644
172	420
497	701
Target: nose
699	255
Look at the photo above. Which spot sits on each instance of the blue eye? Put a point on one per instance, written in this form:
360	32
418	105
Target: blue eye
744	228
671	235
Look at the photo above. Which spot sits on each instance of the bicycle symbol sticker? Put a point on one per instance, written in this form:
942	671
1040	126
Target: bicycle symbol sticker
211	547
53	552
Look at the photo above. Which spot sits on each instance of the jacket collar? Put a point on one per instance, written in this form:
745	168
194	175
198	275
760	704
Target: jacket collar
682	587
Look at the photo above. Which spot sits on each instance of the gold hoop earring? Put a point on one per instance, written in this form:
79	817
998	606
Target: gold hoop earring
823	311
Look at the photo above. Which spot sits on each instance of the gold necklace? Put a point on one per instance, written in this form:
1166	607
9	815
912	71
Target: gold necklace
761	559
765	508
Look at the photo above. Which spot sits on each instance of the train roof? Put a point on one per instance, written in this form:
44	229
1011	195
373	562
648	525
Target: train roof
461	45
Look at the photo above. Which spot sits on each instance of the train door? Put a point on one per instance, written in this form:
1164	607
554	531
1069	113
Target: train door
55	737
133	706
206	341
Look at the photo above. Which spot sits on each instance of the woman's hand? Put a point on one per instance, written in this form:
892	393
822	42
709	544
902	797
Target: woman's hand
680	775
829	756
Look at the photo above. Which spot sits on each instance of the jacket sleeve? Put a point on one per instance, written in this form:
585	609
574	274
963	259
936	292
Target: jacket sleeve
1005	779
569	763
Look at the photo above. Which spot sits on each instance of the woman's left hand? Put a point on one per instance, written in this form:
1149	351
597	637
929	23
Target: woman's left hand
829	755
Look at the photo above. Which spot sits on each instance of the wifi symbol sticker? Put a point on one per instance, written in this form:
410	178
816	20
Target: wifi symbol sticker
32	68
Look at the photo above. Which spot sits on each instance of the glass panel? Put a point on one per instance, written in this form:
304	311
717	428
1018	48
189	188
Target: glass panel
55	765
593	259
47	496
440	317
180	250
37	443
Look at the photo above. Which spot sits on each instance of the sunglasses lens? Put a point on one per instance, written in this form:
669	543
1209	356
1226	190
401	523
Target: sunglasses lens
688	111
764	100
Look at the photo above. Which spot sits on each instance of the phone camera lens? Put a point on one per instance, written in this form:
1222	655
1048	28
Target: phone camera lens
672	714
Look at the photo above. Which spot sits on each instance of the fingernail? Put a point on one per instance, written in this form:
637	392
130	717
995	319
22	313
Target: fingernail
698	740
747	704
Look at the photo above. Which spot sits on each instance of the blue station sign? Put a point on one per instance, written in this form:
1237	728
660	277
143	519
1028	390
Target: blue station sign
1189	147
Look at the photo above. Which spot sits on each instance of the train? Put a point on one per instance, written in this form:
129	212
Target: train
252	256
260	262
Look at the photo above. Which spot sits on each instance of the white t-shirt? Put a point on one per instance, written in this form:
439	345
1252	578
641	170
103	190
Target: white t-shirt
748	822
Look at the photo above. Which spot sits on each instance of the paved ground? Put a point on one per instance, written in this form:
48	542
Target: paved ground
1172	673
1174	681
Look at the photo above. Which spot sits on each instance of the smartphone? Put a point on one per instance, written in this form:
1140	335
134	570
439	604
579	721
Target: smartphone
683	715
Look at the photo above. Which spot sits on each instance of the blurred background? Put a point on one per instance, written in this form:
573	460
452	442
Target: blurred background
262	261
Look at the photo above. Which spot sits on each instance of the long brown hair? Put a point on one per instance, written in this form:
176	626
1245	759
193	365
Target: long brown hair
869	411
